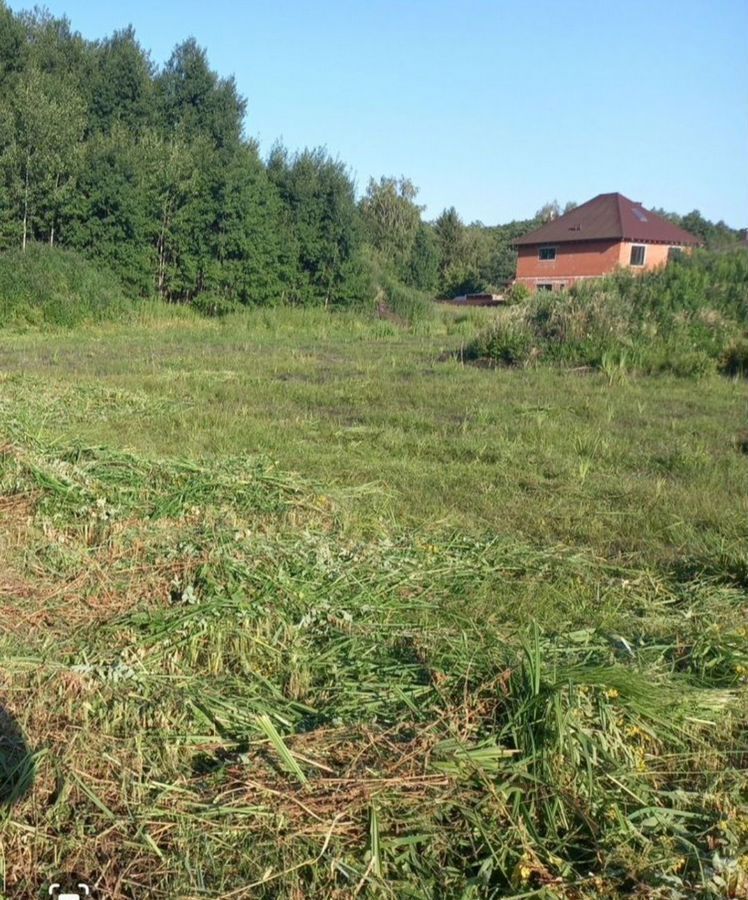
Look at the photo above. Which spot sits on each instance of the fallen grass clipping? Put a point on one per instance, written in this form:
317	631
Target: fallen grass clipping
226	693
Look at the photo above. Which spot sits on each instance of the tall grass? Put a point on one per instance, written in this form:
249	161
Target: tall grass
682	318
394	298
50	287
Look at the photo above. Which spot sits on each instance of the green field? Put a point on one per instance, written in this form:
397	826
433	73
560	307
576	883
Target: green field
301	604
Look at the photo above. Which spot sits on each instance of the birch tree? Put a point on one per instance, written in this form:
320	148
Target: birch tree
43	152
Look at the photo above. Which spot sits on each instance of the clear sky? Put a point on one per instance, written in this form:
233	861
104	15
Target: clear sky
493	106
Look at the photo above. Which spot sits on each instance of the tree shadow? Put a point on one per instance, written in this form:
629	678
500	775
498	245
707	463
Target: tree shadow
16	761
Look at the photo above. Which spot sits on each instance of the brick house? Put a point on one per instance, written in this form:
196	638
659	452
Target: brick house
603	234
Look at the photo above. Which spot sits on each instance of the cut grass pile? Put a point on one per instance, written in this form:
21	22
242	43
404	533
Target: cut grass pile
227	694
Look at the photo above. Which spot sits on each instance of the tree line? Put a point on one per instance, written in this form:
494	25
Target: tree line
149	171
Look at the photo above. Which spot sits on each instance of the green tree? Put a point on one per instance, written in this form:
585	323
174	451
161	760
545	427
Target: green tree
424	263
52	47
42	154
322	216
169	188
548	212
195	102
109	217
391	220
121	89
12	50
715	235
255	261
458	270
450	232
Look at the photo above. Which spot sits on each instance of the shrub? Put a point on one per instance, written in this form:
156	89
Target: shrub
48	286
578	316
390	294
215	305
690	364
507	343
517	293
734	360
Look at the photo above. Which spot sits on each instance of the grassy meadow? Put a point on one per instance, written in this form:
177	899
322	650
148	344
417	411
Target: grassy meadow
304	604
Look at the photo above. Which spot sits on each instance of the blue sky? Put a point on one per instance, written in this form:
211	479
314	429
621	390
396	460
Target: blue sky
493	107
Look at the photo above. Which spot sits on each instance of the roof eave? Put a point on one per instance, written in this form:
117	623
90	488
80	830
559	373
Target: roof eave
659	240
532	242
528	242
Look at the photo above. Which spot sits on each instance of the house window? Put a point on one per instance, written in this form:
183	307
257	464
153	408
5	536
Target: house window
637	255
545	287
547	253
674	253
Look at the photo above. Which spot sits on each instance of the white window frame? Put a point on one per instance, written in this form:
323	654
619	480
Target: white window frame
546	258
643	248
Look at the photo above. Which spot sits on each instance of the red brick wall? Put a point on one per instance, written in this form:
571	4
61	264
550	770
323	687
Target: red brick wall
587	259
654	255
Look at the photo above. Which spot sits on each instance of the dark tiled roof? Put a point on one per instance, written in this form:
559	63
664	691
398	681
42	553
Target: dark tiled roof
609	217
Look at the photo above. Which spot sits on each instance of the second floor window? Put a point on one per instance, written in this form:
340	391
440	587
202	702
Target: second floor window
547	253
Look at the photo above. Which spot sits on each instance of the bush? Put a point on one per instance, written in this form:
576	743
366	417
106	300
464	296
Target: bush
734	360
48	286
215	305
517	293
506	343
690	364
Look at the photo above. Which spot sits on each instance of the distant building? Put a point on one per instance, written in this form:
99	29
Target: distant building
594	239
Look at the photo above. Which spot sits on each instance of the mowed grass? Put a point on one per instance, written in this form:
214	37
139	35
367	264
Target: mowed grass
297	604
544	454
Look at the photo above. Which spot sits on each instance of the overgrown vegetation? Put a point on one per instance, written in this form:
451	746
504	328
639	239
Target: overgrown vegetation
690	318
45	287
501	650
